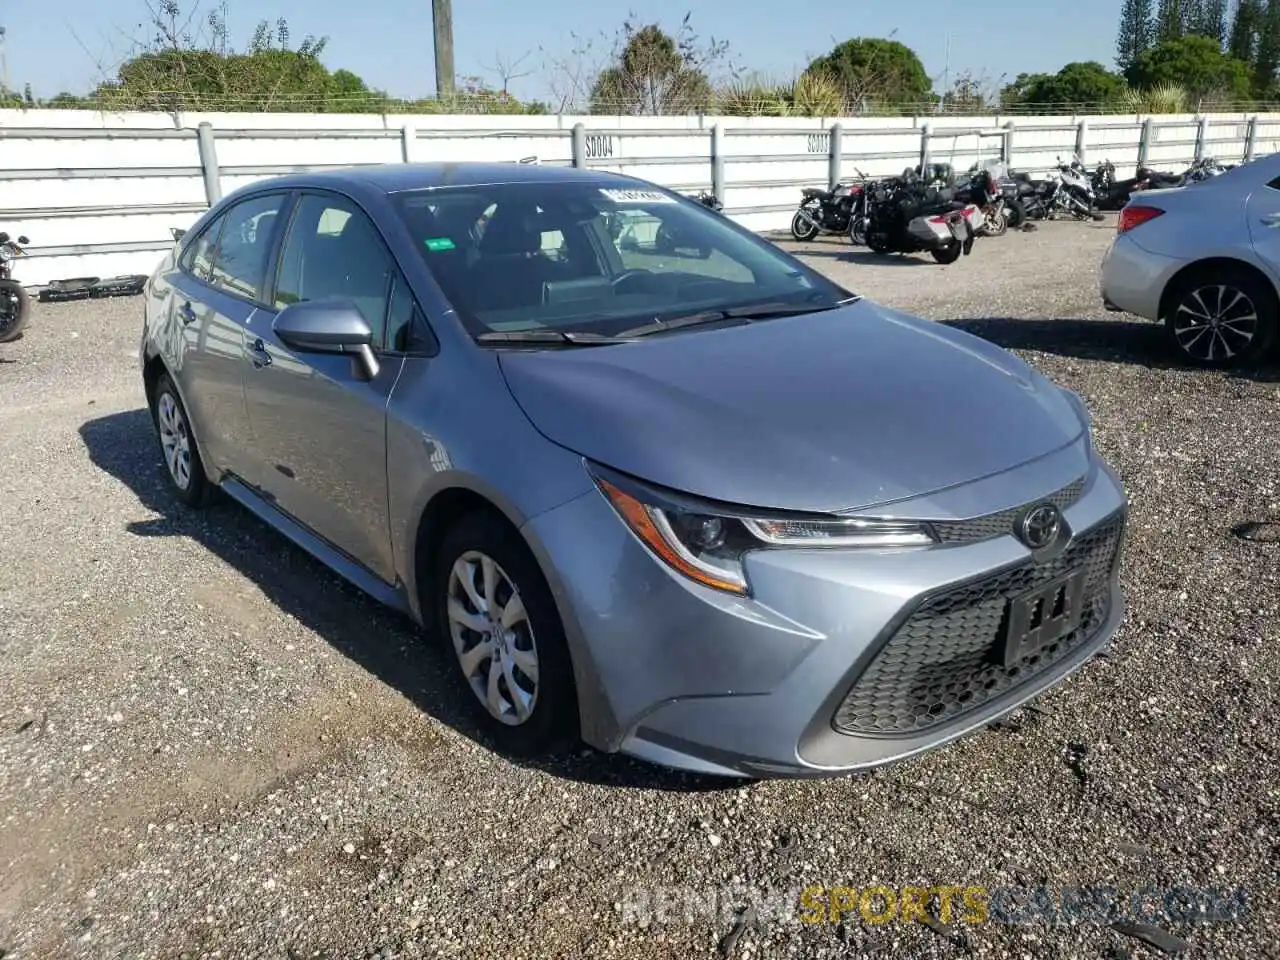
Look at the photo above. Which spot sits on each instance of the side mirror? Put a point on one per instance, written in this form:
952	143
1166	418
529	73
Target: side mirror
23	240
328	326
4	237
178	233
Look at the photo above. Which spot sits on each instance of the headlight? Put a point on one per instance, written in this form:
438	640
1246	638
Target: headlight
707	544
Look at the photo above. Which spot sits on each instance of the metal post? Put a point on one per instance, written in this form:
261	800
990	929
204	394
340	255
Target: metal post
835	158
579	145
408	140
1082	138
209	162
924	150
717	162
1202	137
1250	138
1007	145
1144	142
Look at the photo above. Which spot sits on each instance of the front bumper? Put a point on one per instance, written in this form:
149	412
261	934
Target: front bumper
815	673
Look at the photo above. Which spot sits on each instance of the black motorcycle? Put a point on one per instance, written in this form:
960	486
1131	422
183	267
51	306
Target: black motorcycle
708	200
830	211
15	305
907	215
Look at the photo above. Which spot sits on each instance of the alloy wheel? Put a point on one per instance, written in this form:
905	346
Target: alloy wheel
175	440
1215	323
493	637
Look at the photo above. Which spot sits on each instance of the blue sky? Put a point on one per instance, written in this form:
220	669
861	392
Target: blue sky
58	46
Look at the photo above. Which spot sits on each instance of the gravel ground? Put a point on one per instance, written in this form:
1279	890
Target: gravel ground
210	747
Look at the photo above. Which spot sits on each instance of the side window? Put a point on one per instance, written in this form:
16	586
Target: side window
198	257
334	251
241	263
399	315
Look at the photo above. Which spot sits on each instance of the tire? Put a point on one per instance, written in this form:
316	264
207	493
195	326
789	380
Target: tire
540	716
879	243
12	323
994	224
802	229
858	231
948	254
1015	214
184	465
1229	338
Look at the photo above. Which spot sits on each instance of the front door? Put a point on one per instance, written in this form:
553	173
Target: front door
319	429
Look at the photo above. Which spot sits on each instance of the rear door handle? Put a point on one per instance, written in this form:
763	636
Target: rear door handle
259	355
186	314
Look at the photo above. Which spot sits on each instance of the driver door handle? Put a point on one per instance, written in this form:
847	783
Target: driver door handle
1271	220
259	355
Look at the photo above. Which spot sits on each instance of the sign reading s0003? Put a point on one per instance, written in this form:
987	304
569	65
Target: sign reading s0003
600	146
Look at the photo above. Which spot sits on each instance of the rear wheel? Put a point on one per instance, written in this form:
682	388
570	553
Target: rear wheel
801	228
178	445
948	254
1222	317
1014	214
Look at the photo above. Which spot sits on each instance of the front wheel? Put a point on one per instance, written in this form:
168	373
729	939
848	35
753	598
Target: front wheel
858	231
499	622
994	223
1222	319
948	254
15	308
801	228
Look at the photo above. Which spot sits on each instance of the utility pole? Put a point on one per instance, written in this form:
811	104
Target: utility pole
442	18
4	63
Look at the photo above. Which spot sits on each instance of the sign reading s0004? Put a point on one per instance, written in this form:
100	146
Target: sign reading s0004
600	146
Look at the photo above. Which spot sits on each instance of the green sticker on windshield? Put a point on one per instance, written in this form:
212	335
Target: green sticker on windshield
436	244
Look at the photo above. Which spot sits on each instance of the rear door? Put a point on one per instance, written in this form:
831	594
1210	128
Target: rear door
1263	213
215	292
319	430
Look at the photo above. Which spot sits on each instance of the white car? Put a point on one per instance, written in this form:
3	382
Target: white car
1205	259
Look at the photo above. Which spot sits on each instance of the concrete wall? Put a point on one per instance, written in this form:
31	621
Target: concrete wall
97	193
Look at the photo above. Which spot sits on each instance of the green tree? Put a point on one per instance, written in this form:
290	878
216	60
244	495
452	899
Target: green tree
1085	85
653	73
1242	41
1137	31
1208	18
1198	65
1266	59
1171	20
876	71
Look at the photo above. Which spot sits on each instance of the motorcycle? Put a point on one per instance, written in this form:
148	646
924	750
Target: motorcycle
829	211
15	305
708	200
906	216
984	189
1076	196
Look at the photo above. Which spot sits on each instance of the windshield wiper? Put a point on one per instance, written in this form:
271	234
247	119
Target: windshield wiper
758	311
549	337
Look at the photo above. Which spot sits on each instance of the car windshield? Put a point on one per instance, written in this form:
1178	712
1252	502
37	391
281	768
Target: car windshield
597	258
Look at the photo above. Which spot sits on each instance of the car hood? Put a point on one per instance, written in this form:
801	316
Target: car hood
844	409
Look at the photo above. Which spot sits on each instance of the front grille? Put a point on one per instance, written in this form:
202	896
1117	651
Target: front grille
940	663
998	524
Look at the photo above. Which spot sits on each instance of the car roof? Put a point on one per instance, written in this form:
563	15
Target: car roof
396	177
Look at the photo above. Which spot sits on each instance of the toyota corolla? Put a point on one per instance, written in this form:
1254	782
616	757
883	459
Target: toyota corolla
653	483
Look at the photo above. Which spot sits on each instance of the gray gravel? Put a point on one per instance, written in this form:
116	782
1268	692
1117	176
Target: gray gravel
210	747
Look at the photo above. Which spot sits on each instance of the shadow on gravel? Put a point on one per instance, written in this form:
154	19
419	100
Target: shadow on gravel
1136	342
380	640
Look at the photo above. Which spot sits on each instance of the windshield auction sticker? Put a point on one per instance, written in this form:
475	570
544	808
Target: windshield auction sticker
637	196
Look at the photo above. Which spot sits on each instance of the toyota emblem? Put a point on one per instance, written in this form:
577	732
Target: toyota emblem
1041	526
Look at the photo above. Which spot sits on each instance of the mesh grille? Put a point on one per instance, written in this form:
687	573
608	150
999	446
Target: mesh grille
999	524
938	665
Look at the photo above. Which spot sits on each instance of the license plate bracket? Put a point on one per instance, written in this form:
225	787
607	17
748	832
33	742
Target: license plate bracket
1040	617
